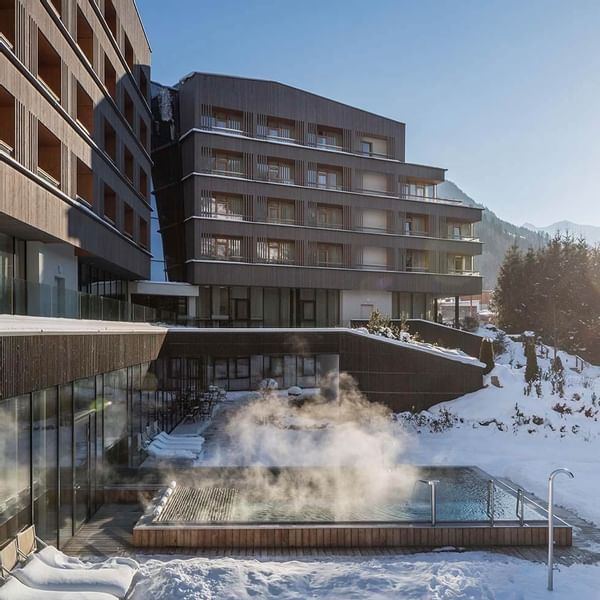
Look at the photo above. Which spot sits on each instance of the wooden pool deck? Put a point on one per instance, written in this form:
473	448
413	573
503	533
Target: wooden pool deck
109	533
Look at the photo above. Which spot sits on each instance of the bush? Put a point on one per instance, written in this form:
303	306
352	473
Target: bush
486	355
381	325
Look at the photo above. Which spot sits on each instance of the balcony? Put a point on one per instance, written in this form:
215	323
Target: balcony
466	272
276	172
275	252
277	129
461	231
326	178
281	212
326	138
227	208
227	165
225	121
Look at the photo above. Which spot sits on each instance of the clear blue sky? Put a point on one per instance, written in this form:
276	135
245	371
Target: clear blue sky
504	94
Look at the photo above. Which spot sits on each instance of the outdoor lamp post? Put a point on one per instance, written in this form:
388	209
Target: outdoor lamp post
551	521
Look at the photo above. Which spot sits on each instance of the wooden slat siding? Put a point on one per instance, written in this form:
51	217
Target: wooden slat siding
34	362
262	97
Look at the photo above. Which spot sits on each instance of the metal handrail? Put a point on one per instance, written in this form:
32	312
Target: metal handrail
432	483
520	503
490	508
551	522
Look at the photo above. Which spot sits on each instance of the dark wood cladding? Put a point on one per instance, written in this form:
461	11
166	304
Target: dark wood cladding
398	376
34	362
224	273
447	337
187	142
277	537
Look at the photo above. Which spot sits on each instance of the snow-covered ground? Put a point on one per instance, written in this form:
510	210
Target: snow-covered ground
503	430
426	576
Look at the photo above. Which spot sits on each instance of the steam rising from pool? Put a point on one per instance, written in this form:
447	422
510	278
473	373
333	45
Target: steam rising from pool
358	441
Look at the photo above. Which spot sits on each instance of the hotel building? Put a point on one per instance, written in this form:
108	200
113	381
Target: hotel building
290	209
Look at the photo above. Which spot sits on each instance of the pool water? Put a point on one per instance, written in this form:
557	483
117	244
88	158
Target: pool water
344	495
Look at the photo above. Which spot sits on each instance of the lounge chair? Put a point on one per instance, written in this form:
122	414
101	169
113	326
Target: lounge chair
13	589
161	452
28	543
112	581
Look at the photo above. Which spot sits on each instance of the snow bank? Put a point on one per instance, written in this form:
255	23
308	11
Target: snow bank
432	576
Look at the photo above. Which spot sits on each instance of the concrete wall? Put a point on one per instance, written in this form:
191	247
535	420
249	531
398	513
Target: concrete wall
351	301
45	262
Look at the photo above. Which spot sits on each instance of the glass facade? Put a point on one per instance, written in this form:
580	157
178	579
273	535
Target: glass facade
60	446
237	306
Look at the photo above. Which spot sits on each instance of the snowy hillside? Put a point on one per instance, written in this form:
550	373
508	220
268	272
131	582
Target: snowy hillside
519	435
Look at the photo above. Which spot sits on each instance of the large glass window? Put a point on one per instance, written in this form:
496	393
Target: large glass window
65	437
44	462
15	455
115	410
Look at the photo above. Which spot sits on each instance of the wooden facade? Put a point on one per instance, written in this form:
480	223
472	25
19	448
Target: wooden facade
360	535
75	109
183	174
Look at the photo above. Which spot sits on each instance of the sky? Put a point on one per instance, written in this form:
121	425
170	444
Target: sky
503	94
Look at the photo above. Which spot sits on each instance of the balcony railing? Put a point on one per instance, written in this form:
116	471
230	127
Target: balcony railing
20	297
281	221
411	269
232	167
225	258
276	260
265	175
6	148
275	134
374	267
466	272
404	196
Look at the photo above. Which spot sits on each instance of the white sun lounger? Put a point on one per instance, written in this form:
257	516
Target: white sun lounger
158	451
187	442
27	544
113	581
13	589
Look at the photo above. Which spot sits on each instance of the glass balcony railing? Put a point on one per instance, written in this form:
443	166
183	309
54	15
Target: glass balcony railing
20	297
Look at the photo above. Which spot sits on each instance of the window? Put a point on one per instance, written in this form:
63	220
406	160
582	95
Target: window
7	21
308	366
85	37
329	216
221	369
85	182
128	53
416	261
49	66
277	128
110	141
366	147
85	110
242	368
277	171
273	366
128	219
222	248
326	178
110	204
143	83
329	255
329	138
275	251
7	122
143	183
58	7
229	164
49	156
110	16
128	163
143	232
221	206
224	119
280	211
128	108
110	78
415	225
143	136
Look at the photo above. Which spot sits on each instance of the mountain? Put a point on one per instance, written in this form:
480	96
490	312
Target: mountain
497	235
590	232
